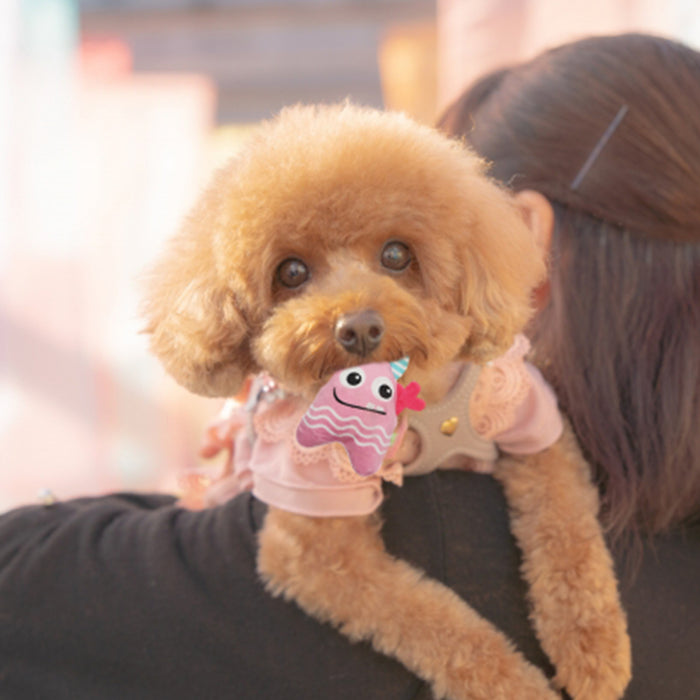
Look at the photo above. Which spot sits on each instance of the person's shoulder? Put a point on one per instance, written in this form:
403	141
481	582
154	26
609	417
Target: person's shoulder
27	522
91	531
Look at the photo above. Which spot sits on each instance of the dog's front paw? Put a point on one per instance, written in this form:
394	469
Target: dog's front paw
591	652
492	671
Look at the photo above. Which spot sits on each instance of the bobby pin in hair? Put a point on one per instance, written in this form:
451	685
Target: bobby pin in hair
576	182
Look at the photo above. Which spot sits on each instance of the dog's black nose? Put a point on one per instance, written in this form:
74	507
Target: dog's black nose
360	333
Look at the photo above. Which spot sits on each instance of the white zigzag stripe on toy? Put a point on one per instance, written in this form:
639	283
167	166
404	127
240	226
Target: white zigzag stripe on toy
315	412
349	432
335	428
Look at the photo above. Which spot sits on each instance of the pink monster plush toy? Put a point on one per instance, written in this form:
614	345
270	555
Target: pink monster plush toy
359	407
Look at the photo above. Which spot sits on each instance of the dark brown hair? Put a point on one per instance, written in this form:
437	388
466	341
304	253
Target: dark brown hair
619	338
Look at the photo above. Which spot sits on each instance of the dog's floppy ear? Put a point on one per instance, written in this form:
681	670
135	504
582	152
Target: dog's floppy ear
196	326
502	267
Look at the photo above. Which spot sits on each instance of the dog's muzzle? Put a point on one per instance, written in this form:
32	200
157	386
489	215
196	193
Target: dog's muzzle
360	333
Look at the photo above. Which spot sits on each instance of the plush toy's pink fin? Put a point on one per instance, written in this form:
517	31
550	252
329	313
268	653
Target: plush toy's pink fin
408	398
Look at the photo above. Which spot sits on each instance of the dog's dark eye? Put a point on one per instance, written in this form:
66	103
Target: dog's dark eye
396	256
292	273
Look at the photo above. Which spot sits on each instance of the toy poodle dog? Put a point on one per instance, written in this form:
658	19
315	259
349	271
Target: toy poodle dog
343	237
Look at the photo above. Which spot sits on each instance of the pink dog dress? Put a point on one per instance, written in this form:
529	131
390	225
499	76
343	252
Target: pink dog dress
505	406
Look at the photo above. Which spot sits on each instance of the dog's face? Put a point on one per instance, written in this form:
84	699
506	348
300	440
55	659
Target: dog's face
341	236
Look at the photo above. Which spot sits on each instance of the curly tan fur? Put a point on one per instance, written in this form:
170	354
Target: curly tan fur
319	181
331	186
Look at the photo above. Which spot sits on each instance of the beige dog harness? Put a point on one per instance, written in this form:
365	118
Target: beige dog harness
446	431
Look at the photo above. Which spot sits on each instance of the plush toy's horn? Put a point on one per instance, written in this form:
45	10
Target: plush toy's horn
399	367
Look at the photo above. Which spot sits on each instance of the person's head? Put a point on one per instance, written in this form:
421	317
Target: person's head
599	141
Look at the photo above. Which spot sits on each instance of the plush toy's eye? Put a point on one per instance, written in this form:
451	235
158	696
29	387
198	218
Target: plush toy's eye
352	378
292	273
382	389
396	256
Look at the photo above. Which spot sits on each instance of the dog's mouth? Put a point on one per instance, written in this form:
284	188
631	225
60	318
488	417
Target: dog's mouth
369	407
304	356
322	372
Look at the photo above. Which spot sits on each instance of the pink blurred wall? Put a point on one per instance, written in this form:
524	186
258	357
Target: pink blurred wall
100	164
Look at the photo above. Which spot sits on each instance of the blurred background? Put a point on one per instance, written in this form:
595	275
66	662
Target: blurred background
113	114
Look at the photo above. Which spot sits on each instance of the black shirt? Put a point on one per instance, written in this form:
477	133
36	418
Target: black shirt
129	596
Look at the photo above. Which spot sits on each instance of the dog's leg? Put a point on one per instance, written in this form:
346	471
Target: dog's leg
337	570
577	613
